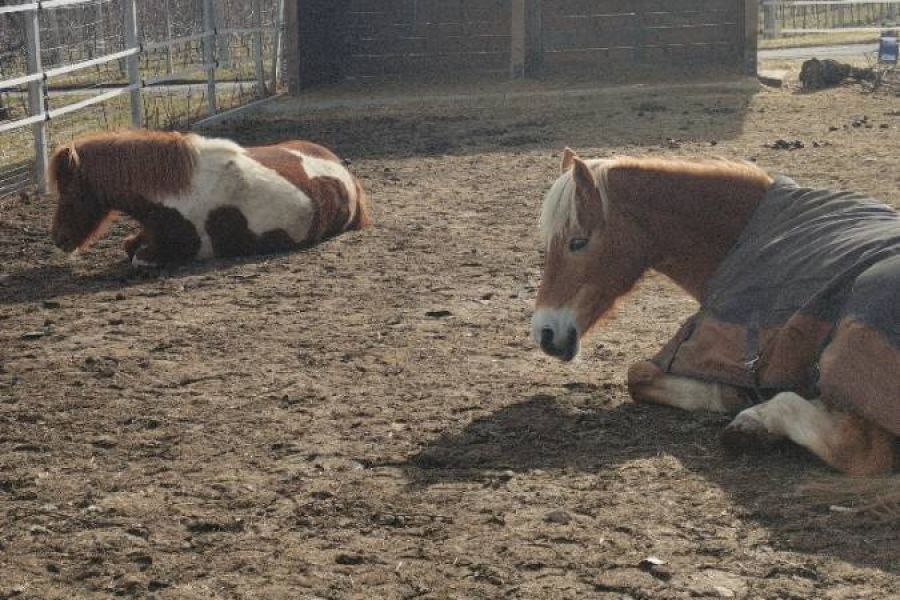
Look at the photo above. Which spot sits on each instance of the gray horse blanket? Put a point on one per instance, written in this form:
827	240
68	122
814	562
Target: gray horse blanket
807	261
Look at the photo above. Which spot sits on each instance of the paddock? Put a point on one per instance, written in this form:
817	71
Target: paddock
368	418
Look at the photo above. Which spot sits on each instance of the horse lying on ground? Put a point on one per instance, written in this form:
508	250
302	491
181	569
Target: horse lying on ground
799	326
198	198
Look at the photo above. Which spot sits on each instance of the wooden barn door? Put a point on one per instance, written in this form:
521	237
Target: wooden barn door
322	44
618	33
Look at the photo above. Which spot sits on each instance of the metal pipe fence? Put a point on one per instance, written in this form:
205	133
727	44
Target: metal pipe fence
797	17
69	67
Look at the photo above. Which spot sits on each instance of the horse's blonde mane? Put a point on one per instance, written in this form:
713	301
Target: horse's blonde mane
150	163
560	210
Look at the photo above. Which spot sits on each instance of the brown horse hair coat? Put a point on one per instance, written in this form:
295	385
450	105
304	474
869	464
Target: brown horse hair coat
128	163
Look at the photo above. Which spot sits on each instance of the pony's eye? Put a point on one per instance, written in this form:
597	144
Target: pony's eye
577	244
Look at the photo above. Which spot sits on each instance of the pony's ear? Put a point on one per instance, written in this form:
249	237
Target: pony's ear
591	206
63	164
568	158
584	179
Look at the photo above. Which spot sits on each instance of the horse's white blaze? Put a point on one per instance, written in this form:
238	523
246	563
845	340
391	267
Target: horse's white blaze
789	415
692	394
225	176
559	320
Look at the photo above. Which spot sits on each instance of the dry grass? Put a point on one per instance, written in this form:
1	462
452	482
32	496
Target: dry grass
818	39
879	496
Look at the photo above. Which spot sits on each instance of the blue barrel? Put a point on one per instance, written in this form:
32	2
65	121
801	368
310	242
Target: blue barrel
887	49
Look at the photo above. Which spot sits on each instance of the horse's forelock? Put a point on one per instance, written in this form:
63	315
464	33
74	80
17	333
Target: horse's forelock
560	211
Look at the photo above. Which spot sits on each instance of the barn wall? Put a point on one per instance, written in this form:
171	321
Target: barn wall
358	39
437	37
623	32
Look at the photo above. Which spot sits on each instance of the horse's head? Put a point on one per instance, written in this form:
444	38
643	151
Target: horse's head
593	256
81	214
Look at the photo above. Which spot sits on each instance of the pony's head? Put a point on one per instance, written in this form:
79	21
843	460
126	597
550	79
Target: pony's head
81	214
100	175
593	256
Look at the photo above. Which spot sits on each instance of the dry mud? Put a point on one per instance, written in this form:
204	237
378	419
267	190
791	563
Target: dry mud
368	418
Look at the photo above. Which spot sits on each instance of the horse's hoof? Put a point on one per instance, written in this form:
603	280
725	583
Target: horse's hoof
746	434
132	245
137	261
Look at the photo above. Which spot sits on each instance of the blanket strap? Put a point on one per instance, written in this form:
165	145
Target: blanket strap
753	359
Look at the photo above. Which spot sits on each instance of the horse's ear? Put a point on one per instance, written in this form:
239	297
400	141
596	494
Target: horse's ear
568	158
63	164
584	179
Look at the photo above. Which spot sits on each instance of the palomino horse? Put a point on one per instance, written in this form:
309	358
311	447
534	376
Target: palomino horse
197	197
799	326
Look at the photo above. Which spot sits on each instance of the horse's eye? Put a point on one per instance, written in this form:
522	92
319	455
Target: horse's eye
577	244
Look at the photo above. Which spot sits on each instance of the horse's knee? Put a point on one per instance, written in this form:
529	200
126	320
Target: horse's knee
642	376
648	383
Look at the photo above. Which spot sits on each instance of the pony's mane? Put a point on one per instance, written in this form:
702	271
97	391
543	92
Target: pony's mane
153	163
560	211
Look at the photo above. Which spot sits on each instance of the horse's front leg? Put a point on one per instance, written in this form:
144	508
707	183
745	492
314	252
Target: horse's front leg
845	441
167	239
648	383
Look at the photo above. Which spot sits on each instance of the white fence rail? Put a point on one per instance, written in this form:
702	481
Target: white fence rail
155	63
798	17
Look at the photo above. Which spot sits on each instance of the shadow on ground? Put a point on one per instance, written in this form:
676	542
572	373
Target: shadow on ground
423	122
45	282
541	432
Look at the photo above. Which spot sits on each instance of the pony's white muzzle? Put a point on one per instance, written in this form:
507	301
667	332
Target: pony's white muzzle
555	331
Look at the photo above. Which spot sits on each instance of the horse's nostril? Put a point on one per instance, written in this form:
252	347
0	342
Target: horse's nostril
547	338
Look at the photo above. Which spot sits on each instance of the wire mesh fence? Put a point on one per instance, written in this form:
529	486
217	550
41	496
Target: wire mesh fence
793	17
190	58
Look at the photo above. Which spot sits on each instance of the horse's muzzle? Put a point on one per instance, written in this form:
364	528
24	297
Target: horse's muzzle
565	351
63	241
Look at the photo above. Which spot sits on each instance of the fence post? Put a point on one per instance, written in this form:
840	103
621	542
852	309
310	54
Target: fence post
100	29
134	62
525	45
170	67
276	51
258	50
751	37
209	54
770	24
534	36
223	46
36	98
519	20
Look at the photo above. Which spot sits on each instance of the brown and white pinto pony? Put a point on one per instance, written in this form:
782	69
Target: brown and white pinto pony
607	222
197	197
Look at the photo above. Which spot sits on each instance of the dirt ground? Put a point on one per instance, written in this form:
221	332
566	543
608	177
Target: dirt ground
369	419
